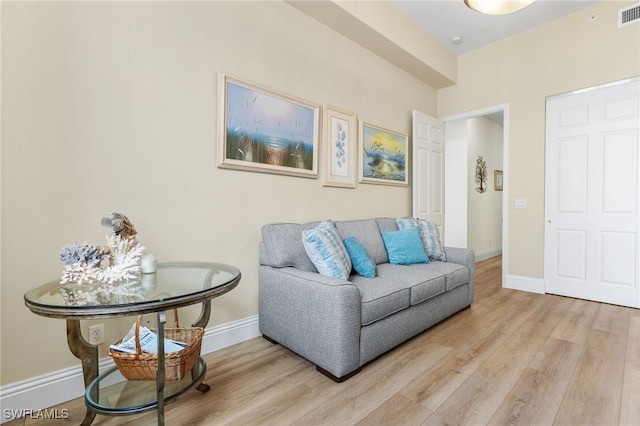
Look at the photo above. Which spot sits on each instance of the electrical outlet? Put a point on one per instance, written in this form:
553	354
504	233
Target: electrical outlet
149	321
96	334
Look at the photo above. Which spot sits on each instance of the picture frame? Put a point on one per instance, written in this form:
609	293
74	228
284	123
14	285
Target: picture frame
262	130
497	180
340	130
383	155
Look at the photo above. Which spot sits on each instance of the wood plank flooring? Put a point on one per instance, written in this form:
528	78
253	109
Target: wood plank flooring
513	358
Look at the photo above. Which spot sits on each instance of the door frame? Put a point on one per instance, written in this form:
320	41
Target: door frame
504	108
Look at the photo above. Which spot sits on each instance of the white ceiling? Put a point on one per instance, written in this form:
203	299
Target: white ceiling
444	19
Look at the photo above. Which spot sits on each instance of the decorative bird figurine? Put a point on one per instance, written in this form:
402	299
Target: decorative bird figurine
120	225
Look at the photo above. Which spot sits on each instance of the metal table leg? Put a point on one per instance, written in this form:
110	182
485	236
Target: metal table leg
162	319
88	354
202	321
205	313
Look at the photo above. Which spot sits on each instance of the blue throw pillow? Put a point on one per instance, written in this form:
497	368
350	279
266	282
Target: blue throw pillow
326	251
429	234
360	259
405	247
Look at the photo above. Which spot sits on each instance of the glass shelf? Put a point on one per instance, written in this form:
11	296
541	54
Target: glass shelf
134	397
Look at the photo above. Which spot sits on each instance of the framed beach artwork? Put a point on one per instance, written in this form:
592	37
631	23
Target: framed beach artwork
266	131
383	156
339	147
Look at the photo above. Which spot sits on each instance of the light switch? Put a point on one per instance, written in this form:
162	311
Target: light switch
521	204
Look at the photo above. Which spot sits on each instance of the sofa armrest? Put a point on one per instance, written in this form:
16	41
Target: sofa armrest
466	257
316	316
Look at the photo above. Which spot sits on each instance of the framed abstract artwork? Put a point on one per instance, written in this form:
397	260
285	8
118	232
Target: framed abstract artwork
383	156
262	130
339	147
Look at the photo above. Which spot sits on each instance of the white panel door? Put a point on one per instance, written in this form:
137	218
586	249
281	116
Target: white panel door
428	169
592	184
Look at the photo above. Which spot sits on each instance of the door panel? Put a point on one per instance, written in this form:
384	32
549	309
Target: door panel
437	189
592	182
620	195
571	169
428	169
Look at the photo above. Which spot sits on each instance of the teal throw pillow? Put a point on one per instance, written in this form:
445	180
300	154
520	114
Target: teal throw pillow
429	234
360	259
325	249
405	247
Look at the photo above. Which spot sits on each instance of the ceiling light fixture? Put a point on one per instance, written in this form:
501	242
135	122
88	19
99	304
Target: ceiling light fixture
456	39
497	7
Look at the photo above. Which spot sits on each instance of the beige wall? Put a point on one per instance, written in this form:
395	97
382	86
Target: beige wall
113	107
567	54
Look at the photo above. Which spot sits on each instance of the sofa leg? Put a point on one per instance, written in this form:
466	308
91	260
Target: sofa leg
269	339
338	379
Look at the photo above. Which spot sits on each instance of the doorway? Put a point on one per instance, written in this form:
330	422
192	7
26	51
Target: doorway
475	211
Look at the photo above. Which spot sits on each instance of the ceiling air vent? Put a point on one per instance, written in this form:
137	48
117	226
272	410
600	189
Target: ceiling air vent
628	15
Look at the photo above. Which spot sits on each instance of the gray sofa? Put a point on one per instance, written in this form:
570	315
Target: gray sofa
340	325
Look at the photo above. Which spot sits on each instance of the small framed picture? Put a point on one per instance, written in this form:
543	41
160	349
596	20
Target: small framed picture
339	147
383	156
497	180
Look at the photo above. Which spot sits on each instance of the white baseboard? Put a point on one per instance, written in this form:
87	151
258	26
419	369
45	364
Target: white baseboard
532	285
55	388
487	254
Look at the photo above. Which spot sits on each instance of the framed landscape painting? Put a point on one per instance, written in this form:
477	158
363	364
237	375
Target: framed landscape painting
266	131
339	147
383	156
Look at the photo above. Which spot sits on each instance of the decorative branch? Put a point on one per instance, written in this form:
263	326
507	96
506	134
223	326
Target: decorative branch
481	175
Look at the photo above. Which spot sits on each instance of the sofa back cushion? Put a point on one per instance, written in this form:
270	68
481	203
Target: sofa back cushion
282	242
283	246
367	233
387	224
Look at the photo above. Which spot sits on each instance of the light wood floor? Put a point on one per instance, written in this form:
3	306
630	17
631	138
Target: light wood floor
512	358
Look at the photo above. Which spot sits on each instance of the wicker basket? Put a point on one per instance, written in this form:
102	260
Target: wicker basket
143	366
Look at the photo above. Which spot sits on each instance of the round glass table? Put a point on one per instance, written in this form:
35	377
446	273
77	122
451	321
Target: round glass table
173	285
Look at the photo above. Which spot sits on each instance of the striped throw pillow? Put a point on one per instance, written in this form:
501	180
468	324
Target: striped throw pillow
326	250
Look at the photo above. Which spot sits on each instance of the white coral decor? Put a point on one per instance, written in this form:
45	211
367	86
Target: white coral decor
118	261
123	263
125	259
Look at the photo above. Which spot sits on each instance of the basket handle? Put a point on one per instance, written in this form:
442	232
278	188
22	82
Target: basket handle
139	321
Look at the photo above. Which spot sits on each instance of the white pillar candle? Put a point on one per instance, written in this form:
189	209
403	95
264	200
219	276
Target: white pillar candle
148	263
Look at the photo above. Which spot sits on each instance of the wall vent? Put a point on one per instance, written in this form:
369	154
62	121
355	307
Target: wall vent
628	15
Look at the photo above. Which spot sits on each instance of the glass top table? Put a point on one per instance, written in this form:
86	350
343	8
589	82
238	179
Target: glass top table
173	285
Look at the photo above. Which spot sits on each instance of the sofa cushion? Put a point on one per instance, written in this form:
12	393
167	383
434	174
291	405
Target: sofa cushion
455	274
397	287
429	234
326	250
404	247
360	259
380	297
368	234
283	246
422	279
